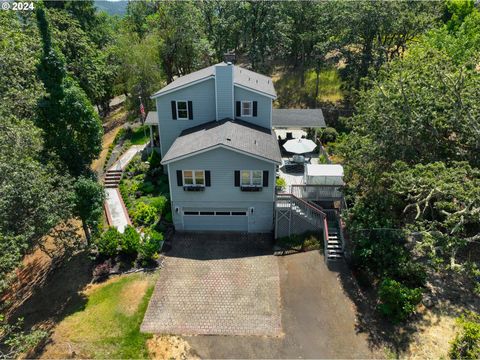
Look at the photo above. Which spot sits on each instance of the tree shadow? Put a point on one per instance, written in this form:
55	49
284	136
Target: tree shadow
58	295
213	245
380	332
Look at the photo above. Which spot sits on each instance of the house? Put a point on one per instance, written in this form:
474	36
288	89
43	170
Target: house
221	153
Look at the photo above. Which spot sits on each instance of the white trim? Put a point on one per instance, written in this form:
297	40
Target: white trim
216	147
216	100
251	184
193	178
256	91
241	108
271	112
233	92
176	107
156	95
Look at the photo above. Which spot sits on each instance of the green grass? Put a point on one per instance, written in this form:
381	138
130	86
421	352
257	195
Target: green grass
140	135
109	325
291	94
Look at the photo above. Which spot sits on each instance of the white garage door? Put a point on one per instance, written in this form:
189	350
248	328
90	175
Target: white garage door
215	220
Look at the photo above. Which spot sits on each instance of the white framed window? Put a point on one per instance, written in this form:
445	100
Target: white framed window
182	110
251	178
193	177
247	108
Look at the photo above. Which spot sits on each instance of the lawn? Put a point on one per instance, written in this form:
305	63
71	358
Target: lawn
109	324
291	94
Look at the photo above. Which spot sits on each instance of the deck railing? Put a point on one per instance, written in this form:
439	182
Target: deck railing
301	208
317	192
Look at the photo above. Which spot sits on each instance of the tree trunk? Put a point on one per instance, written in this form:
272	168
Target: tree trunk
317	83
86	230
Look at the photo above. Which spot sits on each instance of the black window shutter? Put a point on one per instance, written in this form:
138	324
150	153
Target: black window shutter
238	112
265	178
179	178
190	111
207	178
255	108
174	110
237	178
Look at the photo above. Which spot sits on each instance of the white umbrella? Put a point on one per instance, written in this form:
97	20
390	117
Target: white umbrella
299	146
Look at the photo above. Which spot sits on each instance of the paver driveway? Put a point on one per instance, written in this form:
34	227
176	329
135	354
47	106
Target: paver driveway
219	285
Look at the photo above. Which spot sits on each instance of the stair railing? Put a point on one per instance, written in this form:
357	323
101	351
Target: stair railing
316	216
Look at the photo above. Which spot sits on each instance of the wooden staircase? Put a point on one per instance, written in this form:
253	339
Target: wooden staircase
112	178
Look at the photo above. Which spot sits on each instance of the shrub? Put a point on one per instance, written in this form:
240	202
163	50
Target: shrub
281	183
159	203
144	214
322	159
398	301
147	187
151	244
328	135
154	160
130	241
466	344
109	242
169	217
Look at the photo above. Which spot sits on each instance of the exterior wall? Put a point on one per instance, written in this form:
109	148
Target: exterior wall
202	96
224	91
222	193
264	107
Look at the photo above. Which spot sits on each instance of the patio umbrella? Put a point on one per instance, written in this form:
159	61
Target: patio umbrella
299	146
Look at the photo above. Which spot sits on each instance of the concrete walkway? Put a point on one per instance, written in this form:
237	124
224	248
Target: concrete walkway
117	214
126	157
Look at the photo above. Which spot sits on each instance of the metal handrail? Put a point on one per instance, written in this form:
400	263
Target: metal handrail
313	209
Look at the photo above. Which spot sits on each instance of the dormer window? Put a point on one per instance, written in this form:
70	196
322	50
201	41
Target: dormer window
182	110
247	108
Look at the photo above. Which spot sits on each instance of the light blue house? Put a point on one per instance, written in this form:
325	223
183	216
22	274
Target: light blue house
218	147
221	154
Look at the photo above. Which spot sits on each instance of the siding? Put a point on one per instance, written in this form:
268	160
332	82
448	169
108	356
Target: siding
202	96
224	91
264	107
222	193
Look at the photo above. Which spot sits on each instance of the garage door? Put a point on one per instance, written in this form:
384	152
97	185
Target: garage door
215	220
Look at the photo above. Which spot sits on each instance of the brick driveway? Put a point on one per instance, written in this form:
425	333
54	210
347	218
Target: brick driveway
217	284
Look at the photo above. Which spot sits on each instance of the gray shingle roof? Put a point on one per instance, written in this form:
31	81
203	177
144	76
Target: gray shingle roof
152	118
241	76
298	118
234	134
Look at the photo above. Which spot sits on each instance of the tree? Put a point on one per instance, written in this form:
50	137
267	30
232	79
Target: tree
183	47
89	198
443	202
71	127
35	196
371	33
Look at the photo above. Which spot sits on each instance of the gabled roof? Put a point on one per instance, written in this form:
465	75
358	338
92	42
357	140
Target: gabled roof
152	118
235	135
298	118
241	77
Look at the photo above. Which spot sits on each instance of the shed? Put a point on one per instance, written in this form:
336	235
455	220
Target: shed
324	174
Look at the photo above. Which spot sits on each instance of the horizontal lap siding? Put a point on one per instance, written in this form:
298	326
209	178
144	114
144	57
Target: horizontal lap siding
224	79
222	193
202	96
264	106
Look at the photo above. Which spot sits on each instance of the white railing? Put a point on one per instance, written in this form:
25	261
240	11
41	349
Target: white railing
312	214
317	192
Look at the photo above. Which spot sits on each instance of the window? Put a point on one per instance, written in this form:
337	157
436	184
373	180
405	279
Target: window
182	110
246	108
193	177
251	178
239	213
